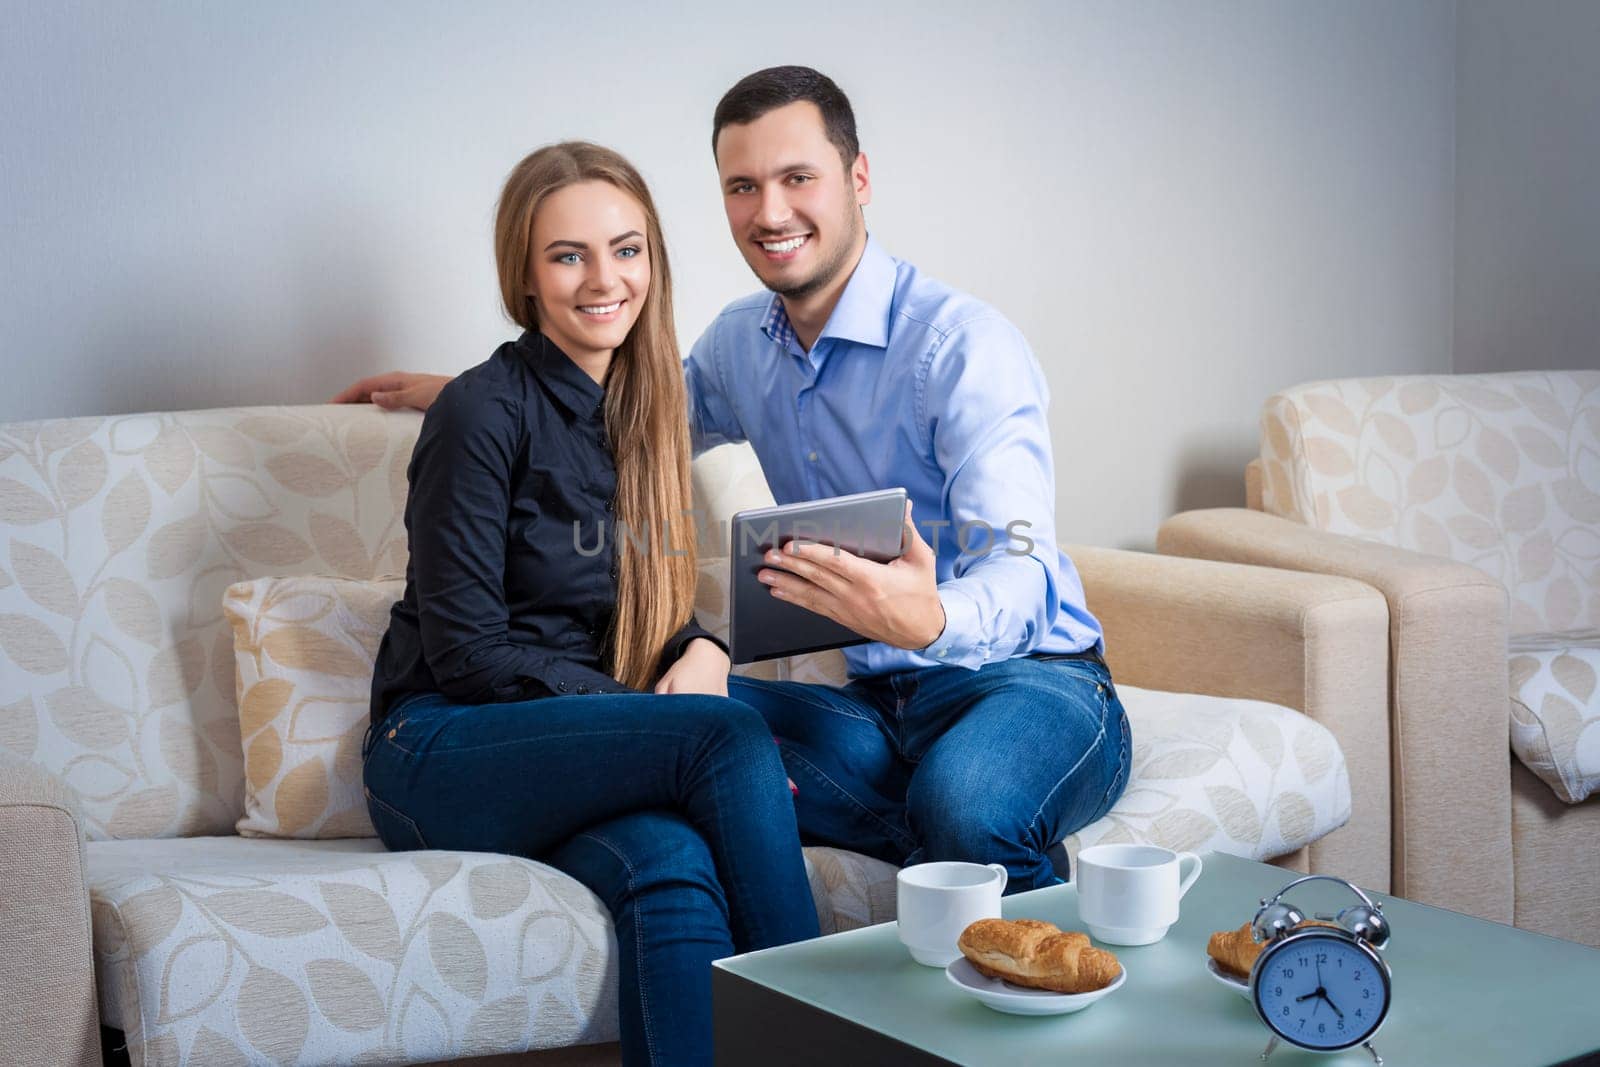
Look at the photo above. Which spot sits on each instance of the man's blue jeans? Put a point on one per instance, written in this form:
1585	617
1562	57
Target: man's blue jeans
995	765
672	809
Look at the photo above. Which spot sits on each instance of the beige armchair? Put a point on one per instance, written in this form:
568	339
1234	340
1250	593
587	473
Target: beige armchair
1472	504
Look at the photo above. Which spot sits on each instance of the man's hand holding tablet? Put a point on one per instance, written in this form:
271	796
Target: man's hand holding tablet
895	602
844	568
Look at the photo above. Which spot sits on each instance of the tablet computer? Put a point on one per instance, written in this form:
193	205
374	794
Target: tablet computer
762	627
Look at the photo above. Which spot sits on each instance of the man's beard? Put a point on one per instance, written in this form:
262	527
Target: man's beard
824	275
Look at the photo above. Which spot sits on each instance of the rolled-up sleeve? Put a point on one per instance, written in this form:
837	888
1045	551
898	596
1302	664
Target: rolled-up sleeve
461	486
984	401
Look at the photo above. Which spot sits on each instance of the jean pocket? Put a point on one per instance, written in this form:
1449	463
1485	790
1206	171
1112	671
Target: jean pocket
395	829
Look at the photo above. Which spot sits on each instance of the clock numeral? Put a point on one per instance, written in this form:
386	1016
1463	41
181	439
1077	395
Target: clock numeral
1286	1010
1358	1013
1322	957
1356	976
1322	1028
1366	994
1277	991
1288	972
1341	1024
1304	962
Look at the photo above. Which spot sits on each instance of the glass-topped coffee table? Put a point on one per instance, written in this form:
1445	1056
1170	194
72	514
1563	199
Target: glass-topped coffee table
1465	992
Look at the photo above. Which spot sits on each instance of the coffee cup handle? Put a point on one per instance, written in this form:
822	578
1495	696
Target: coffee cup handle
1183	887
1003	875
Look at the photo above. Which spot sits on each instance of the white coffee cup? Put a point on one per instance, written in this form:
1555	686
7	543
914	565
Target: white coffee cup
934	902
1128	894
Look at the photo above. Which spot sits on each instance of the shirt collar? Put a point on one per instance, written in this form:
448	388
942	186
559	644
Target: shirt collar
862	313
562	379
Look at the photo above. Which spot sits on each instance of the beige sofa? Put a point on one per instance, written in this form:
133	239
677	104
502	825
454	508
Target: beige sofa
128	899
1472	503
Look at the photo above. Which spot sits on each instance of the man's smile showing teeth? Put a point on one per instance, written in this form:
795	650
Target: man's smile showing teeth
600	309
780	247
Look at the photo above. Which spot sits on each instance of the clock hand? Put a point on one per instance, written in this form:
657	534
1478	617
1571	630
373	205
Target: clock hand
1331	1004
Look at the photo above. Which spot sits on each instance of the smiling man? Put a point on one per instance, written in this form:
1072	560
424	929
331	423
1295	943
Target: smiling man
981	722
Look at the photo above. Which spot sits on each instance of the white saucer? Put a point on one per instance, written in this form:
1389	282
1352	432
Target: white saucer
1020	1000
1238	985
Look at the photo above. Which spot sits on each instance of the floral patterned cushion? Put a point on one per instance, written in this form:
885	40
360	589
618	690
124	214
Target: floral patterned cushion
1555	711
227	950
1500	471
304	650
1213	773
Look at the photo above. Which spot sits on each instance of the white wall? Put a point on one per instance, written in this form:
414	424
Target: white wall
1185	206
1528	186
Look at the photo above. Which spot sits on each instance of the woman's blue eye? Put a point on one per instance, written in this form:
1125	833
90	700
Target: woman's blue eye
628	252
568	258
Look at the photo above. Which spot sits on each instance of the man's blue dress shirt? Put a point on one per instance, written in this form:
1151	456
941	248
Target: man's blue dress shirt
914	384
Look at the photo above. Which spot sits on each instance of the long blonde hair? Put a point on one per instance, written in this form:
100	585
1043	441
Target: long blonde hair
645	408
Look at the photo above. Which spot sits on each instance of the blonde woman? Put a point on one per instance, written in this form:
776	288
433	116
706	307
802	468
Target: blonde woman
543	688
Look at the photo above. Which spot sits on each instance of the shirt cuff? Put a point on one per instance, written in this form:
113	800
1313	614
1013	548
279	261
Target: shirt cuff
961	643
679	641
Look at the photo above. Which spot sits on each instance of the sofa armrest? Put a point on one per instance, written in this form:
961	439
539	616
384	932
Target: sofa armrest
48	1007
1314	643
1448	696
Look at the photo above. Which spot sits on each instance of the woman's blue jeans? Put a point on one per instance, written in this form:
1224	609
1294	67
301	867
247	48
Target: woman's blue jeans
673	810
996	765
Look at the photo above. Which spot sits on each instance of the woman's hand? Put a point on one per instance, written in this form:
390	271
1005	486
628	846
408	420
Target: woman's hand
395	390
702	668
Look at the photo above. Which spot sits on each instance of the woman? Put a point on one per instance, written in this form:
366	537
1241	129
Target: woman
507	703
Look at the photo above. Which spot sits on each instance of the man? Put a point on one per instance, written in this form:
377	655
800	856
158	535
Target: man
981	722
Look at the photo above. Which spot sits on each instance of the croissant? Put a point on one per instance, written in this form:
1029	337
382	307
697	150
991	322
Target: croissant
1036	954
1235	950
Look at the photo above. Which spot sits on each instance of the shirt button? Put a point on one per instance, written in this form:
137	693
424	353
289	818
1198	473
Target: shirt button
608	507
812	456
562	686
583	689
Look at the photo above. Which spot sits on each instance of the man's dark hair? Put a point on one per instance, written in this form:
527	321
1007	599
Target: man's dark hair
767	90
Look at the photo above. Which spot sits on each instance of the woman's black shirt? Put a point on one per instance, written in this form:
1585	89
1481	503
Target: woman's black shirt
507	597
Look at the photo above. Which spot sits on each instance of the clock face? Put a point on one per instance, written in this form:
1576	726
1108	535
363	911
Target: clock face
1322	991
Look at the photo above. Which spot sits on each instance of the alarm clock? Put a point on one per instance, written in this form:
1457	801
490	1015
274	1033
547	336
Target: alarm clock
1321	988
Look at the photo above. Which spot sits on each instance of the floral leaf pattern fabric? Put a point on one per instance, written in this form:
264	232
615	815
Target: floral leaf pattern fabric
304	652
1555	711
1498	471
1213	773
118	538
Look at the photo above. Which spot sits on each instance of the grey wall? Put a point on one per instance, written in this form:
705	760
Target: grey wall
1185	206
1528	186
